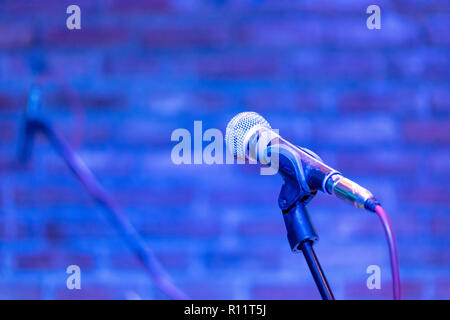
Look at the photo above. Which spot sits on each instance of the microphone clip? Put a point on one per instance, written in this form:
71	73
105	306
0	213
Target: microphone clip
295	194
295	187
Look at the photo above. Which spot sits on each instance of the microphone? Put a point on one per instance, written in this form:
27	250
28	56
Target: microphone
249	136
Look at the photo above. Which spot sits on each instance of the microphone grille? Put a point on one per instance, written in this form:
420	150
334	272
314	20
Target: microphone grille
238	128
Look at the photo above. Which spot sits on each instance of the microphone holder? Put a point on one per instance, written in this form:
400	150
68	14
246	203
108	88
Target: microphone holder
294	196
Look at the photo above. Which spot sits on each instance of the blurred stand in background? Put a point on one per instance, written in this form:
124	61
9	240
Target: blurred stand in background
35	124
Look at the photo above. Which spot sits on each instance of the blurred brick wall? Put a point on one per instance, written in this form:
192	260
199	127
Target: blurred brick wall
372	103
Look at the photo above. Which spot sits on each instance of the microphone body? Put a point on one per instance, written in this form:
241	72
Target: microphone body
321	177
250	136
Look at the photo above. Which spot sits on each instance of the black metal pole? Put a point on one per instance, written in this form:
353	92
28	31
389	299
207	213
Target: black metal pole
316	270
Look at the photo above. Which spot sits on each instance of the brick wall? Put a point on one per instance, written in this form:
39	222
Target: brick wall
372	103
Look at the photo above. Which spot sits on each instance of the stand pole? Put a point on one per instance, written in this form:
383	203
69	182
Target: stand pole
316	270
302	236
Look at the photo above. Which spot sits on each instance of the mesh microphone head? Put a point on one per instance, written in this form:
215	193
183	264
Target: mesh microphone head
239	130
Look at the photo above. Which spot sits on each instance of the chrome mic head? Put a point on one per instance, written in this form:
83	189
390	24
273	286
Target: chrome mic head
239	131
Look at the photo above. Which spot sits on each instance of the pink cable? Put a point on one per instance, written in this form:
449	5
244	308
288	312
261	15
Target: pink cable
392	251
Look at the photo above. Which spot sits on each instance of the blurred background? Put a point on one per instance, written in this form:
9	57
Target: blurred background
372	103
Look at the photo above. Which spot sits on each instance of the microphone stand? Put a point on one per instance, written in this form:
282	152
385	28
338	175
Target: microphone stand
34	123
294	196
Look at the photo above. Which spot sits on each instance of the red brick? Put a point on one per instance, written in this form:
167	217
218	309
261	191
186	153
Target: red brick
398	102
429	255
440	224
413	290
52	261
359	291
424	194
18	291
8	132
71	230
12	103
237	67
147	196
15	36
443	288
415	6
169	260
184	36
437	29
379	163
21	230
48	196
45	9
239	197
213	101
136	6
85	101
96	292
410	290
350	131
350	66
396	31
92	35
437	66
427	132
192	228
207	290
282	33
439	161
440	101
131	64
102	164
76	64
285	292
262	228
255	259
